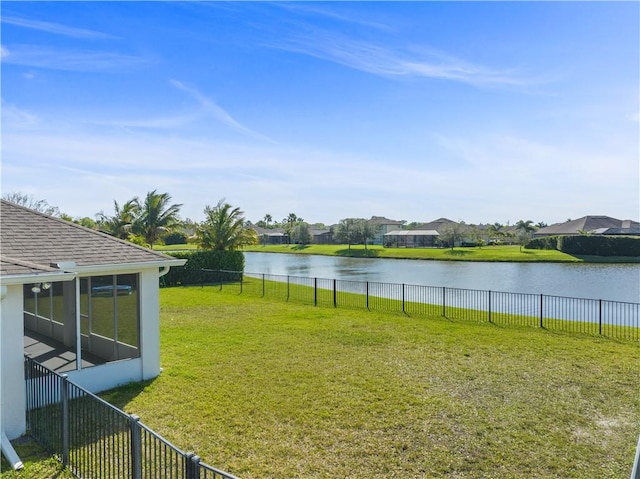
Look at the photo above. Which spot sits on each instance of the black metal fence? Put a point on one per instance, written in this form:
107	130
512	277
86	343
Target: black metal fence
613	319
96	440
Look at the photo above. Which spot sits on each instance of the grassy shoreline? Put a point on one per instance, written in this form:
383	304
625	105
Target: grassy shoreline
483	254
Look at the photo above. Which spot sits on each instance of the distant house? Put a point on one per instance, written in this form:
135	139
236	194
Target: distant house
410	238
321	235
385	226
271	235
76	300
592	225
437	225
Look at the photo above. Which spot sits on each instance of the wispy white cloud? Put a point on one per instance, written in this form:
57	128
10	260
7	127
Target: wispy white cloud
218	112
13	116
55	28
384	60
70	60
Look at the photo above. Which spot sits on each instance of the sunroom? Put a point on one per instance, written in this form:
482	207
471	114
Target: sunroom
79	302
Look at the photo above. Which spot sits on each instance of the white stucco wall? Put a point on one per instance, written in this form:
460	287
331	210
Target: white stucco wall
12	390
150	323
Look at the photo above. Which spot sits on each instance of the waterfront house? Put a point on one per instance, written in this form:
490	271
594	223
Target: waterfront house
384	226
78	301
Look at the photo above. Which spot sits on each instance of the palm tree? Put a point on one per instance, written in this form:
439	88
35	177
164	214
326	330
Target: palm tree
156	216
524	231
268	219
120	224
224	229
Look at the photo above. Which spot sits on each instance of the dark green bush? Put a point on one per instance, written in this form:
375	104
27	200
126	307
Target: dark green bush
589	245
175	238
545	242
595	245
192	272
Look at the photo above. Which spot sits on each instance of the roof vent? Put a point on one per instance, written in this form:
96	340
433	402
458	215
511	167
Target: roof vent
63	265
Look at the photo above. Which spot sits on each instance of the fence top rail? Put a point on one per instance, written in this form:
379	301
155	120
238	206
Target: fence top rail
248	273
161	439
209	468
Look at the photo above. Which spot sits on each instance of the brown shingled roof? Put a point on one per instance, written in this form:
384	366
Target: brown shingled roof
29	236
586	223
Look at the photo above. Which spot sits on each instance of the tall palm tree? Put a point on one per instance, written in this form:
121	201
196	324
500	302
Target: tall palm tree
156	216
121	223
224	229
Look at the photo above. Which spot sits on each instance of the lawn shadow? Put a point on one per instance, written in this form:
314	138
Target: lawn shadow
357	253
458	252
123	395
299	247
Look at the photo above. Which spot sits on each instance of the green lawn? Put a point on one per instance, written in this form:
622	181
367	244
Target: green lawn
37	463
277	390
487	253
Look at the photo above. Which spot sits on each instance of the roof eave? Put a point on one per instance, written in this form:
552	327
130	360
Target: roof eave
123	268
48	277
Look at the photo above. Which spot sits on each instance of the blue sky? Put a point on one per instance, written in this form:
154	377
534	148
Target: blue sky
473	111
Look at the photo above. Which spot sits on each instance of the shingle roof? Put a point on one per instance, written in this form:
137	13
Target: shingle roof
586	223
30	237
12	266
381	220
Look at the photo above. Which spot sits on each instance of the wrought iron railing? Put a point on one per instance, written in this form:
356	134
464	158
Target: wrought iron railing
95	439
613	319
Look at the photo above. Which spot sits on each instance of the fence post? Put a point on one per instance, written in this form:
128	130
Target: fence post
541	310
335	302
136	447
64	403
315	291
192	466
403	297
263	285
600	317
367	293
489	305
288	288
444	302
241	282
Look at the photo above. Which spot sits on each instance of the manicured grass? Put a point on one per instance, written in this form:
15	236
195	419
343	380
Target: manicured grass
38	464
272	390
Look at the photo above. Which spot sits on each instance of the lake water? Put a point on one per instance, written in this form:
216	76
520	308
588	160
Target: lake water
613	282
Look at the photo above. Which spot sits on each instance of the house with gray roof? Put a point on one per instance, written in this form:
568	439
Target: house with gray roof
384	226
76	300
591	225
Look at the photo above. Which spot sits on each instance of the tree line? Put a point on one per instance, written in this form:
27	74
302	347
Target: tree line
155	219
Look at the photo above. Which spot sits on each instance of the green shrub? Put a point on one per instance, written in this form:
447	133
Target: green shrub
192	272
175	238
595	245
545	242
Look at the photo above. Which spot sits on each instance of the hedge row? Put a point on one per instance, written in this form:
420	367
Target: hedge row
589	245
191	272
544	242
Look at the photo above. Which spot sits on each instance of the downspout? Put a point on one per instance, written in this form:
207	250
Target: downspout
9	452
163	270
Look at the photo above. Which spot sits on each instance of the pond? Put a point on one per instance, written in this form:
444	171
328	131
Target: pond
613	282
